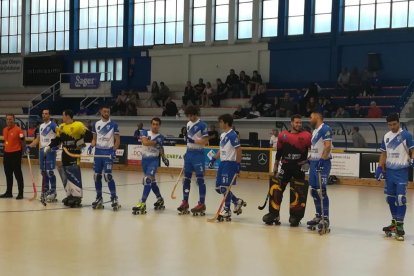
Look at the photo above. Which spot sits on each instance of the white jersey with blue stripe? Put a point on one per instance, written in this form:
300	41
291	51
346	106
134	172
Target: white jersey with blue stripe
319	136
105	134
152	151
195	131
47	132
229	142
397	146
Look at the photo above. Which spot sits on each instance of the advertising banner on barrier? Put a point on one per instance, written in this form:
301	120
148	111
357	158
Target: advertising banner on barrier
255	160
175	155
208	155
121	153
369	163
11	65
345	164
85	81
134	154
44	70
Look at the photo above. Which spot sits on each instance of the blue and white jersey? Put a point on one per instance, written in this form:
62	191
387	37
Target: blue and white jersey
152	151
319	136
196	130
229	142
46	132
397	146
105	134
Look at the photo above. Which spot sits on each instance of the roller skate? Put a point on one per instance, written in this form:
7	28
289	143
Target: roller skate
66	200
294	222
199	209
140	209
98	203
388	230
225	215
314	222
323	226
51	197
75	202
238	206
115	204
183	208
43	198
159	204
271	218
399	231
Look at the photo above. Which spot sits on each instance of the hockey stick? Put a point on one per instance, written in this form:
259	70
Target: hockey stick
176	184
264	204
76	155
42	196
33	182
213	219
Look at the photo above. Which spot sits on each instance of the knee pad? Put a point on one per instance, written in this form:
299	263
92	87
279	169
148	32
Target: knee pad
315	193
97	177
401	200
221	190
186	181
146	181
108	177
390	200
50	173
200	181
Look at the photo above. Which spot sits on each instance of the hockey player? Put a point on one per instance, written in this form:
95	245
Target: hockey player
292	154
70	134
320	167
152	148
230	154
197	138
44	134
395	160
106	141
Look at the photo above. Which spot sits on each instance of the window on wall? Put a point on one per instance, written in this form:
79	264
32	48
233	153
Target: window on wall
49	25
158	22
113	67
323	15
296	16
270	13
244	19
199	20
361	15
221	21
10	30
101	23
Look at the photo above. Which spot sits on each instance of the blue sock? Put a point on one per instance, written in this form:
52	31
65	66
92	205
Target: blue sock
155	189
234	199
326	205
112	188
393	206
145	193
227	201
201	189
52	181
400	214
98	185
186	188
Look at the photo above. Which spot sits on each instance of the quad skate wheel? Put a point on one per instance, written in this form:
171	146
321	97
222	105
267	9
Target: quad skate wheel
312	228
134	213
220	219
399	238
228	219
202	214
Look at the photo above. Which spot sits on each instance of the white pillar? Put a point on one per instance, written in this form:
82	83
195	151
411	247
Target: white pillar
232	22
256	24
187	35
25	28
209	23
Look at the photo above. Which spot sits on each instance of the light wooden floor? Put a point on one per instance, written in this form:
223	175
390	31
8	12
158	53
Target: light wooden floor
57	241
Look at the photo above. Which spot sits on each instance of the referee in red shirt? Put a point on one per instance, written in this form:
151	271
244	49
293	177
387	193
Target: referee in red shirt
14	144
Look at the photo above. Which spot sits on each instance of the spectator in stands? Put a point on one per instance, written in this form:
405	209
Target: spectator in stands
320	106
259	100
343	79
164	93
366	82
199	89
312	91
155	94
189	94
181	111
239	113
357	112
271	108
374	111
220	93
375	84
329	108
138	131
358	139
273	139
207	94
170	108
354	85
254	113
233	84
31	132
287	106
119	108
311	106
183	133
255	82
213	136
133	97
131	109
244	84
341	113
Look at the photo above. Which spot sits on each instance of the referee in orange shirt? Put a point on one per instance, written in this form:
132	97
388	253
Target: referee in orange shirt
14	144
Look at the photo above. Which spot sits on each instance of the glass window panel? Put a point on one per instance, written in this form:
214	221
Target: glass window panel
43	6
323	6
180	10
411	15
118	71
102	22
270	9
112	37
245	11
269	27
112	18
139	14
66	40
295	25
149	12
13	8
13	44
102	37
149	35
367	2
120	37
42	42
60	21
399	14
13	26
4	44
85	66
102	69
4	26
42	22
199	3
199	16
5	8
222	32
51	41
34	6
93	38
368	19
245	30
170	33
83	18
222	14
51	22
139	35
159	11
199	33
159	33
179	35
110	69
76	66
60	5
60	41
221	2
51	5
120	16
296	7
351	18
323	23
83	39
383	15
170	8
93	68
34	24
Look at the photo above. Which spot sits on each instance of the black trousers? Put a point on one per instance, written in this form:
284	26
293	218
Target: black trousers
13	165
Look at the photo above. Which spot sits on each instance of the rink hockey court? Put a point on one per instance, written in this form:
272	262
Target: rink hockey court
55	240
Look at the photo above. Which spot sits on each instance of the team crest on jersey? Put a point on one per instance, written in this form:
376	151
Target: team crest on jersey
388	139
99	127
328	133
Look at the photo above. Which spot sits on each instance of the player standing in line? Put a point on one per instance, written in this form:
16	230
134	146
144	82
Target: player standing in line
230	154
320	167
71	135
106	141
292	153
395	160
44	135
197	138
152	148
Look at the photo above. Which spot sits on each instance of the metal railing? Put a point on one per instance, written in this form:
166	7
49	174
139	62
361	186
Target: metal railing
50	92
406	95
